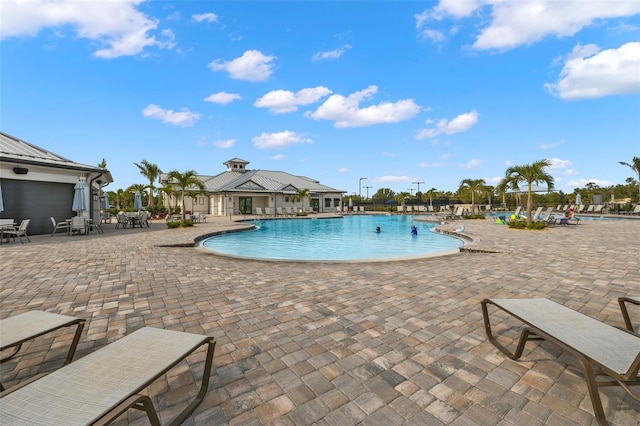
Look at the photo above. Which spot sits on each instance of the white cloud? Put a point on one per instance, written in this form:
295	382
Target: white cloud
332	54
581	183
117	26
205	17
251	66
222	98
278	157
279	140
225	143
343	170
593	73
472	164
184	118
459	124
346	111
516	23
283	101
388	154
558	164
546	146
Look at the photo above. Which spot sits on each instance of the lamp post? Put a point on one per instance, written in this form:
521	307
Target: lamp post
367	188
418	183
360	187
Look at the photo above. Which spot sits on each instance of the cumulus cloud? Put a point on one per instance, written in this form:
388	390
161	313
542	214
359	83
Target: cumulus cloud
459	124
225	143
346	110
433	165
253	65
279	140
593	73
278	157
222	98
558	164
331	54
283	101
343	170
184	118
205	17
517	23
391	179
472	164
117	26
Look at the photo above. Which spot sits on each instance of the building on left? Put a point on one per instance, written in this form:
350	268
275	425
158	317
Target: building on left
37	184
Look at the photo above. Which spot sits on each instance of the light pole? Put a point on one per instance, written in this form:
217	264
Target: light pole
367	188
418	183
360	187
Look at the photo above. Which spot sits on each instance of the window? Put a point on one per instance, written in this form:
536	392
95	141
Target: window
286	199
327	202
336	202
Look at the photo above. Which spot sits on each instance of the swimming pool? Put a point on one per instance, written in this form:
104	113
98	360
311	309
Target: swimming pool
347	239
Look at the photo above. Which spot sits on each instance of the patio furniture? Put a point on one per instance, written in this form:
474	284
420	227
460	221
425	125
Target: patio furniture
65	225
78	225
623	301
16	330
21	231
121	220
100	387
605	352
5	224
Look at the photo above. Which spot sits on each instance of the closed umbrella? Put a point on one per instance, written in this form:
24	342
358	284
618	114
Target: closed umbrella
137	201
106	201
579	199
79	199
1	203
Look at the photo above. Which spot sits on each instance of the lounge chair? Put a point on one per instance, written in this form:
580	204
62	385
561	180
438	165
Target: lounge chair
544	217
20	231
16	330
636	210
259	211
459	213
60	225
622	301
100	387
536	215
598	208
603	350
589	209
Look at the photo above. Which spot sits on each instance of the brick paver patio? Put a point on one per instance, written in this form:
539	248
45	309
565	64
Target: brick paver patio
385	343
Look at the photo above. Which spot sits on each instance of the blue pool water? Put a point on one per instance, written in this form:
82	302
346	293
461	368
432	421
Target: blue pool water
350	238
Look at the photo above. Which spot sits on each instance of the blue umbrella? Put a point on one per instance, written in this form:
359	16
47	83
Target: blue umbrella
578	199
79	199
137	201
106	201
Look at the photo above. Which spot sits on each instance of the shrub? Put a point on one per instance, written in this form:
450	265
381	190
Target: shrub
522	224
173	224
186	223
474	216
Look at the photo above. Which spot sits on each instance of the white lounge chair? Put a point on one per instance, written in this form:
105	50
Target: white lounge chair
59	225
536	215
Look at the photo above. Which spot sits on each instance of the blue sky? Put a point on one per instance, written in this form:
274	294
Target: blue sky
397	92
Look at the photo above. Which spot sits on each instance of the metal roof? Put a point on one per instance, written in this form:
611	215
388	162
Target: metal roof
268	181
18	151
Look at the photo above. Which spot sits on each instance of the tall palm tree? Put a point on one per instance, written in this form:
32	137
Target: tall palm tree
431	194
635	166
501	188
184	182
150	171
474	186
531	174
301	195
168	190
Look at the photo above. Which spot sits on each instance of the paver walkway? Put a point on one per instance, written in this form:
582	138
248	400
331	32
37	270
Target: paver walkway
385	343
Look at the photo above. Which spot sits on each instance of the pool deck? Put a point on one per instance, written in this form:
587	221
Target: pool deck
384	343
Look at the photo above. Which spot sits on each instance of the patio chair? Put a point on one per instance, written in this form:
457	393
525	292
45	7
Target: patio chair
100	387
459	213
79	225
121	220
201	218
536	215
18	329
544	217
21	231
623	301
60	225
604	351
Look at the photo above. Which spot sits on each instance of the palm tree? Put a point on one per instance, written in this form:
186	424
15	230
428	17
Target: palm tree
474	186
136	187
119	198
431	193
182	182
301	195
168	190
151	172
531	174
635	166
501	188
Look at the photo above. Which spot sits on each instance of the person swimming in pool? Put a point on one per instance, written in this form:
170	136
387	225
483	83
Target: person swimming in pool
378	229
414	230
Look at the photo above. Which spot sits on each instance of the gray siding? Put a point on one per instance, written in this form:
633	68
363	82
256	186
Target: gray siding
37	201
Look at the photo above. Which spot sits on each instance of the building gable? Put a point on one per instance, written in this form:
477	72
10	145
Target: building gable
249	186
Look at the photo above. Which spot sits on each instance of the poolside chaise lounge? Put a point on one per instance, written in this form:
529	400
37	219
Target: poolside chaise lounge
604	351
16	330
97	389
623	301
